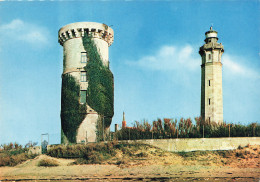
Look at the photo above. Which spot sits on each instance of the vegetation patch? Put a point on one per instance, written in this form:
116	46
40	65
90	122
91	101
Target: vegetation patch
72	112
13	154
47	163
185	128
98	153
241	157
100	92
92	158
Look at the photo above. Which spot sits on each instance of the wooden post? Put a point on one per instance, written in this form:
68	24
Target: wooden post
129	132
229	130
203	131
103	129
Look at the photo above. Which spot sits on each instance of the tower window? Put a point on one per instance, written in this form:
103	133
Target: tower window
83	76
209	82
84	58
83	96
209	56
73	33
209	101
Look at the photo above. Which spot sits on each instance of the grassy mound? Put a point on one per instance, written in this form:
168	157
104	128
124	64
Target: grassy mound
99	153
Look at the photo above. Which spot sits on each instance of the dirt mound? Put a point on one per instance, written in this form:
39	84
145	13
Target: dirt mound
35	161
245	157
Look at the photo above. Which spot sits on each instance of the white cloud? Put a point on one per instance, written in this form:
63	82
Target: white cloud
34	37
233	66
24	31
170	57
15	24
180	58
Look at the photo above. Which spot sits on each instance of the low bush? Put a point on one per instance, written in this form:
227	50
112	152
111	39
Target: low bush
13	154
224	153
48	163
240	147
240	154
186	154
13	160
85	154
96	153
142	154
122	161
194	154
81	151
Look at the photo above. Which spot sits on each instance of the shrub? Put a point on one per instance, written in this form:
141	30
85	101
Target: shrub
127	151
142	154
5	160
87	154
81	150
48	163
13	154
13	160
96	153
240	154
122	161
94	158
11	146
225	154
186	154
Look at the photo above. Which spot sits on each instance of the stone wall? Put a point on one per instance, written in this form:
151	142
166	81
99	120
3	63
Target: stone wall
35	150
188	144
87	129
195	144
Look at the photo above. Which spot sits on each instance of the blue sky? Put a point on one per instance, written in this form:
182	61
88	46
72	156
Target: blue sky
154	59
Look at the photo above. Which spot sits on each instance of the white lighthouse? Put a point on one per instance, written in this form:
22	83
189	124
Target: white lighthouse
211	78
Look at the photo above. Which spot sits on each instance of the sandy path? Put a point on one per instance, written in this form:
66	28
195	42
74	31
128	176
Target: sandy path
115	172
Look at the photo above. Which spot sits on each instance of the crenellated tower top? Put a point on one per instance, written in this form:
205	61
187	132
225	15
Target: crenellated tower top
79	29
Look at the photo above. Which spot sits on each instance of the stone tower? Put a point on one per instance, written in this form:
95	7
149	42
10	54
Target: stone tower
75	58
211	78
